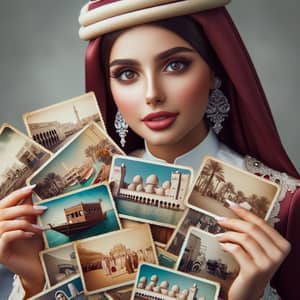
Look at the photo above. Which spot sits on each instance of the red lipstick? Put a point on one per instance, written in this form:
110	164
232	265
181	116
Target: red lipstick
160	120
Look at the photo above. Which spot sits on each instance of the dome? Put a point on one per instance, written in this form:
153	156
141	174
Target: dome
164	284
143	279
185	292
152	179
156	289
131	187
175	288
149	189
154	278
137	179
167	192
160	191
139	188
166	184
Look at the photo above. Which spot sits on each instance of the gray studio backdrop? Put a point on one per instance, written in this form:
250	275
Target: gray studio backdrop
42	60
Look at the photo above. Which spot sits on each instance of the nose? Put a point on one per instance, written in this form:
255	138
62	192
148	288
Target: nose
154	91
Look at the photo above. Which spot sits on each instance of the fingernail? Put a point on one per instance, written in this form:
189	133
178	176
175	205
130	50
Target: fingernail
38	227
28	188
40	207
219	235
232	204
29	234
221	219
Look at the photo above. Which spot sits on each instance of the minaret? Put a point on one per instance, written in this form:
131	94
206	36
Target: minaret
77	116
193	292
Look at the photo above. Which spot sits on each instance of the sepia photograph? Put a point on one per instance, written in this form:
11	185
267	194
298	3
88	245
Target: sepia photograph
69	290
20	158
149	192
201	255
191	218
84	161
218	181
53	126
111	260
78	215
160	283
59	264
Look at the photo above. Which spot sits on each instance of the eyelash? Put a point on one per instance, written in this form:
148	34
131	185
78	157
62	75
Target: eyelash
185	62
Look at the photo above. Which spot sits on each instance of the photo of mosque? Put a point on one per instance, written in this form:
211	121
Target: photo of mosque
149	192
53	126
84	161
218	181
20	158
159	283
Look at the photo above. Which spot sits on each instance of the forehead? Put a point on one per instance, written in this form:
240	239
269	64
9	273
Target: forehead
145	39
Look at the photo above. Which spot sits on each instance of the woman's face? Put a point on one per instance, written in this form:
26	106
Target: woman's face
160	85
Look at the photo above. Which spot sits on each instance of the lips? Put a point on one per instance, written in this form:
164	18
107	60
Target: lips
160	120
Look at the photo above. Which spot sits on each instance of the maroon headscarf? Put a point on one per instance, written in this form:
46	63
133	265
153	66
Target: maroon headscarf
250	128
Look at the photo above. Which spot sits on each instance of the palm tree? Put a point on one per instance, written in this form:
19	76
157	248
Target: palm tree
213	168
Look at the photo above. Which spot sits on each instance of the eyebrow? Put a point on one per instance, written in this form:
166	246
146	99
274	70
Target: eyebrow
160	56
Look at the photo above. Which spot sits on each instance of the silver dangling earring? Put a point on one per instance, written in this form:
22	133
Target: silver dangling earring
218	107
121	128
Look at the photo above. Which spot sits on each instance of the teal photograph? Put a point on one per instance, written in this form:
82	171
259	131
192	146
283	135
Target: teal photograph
156	282
69	290
149	192
79	215
84	161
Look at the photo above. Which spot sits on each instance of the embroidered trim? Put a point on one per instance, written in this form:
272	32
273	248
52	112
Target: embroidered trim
287	183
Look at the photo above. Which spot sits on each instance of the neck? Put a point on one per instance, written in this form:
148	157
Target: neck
170	152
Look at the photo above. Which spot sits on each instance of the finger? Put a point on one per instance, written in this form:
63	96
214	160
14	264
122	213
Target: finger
244	261
21	211
11	236
252	218
23	225
16	197
252	248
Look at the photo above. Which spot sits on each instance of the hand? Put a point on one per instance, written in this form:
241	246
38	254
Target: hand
21	240
257	247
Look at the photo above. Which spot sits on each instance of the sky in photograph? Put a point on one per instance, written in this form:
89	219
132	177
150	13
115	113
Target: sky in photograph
183	281
144	169
64	112
62	252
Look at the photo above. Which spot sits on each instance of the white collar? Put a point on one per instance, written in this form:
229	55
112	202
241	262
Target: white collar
193	158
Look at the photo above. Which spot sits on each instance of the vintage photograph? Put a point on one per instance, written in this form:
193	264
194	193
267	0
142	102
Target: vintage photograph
69	290
111	260
201	255
218	181
160	283
149	192
191	218
59	264
20	158
78	215
53	126
86	160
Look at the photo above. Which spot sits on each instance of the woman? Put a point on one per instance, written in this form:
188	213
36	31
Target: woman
160	78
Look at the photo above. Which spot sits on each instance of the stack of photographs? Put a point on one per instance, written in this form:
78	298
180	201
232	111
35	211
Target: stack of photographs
118	227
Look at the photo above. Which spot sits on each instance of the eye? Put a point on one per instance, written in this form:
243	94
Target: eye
124	75
177	65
